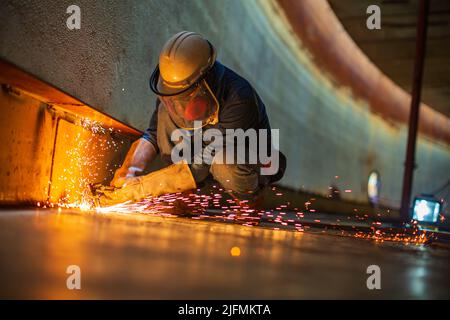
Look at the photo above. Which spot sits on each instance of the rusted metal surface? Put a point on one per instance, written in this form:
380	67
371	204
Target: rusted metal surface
332	48
26	128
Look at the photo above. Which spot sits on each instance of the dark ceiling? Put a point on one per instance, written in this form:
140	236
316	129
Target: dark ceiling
392	48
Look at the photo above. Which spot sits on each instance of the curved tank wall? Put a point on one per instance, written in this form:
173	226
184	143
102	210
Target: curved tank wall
330	138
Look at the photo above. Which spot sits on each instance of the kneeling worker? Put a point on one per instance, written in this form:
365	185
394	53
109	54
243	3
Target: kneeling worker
194	91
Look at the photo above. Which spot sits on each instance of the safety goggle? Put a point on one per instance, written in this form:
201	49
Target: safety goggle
194	108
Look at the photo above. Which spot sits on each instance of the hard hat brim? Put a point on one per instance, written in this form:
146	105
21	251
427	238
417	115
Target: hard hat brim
168	90
158	86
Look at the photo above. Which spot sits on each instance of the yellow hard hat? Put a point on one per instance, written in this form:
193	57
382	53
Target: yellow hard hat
184	60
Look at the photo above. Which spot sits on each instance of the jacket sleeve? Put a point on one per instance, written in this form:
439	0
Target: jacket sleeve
151	133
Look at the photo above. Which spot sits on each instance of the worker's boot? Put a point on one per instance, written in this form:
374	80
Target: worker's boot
172	179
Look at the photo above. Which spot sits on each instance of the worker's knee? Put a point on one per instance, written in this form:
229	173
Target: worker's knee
240	179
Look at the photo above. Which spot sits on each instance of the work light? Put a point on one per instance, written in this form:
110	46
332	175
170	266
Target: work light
426	209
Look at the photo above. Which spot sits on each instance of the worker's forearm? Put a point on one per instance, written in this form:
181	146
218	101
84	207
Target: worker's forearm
140	154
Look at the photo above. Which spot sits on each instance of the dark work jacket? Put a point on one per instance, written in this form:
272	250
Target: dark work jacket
240	107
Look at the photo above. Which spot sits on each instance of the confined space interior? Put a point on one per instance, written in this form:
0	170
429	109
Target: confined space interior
340	129
342	122
56	145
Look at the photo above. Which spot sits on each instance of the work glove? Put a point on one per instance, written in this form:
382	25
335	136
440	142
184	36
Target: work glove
172	179
124	175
